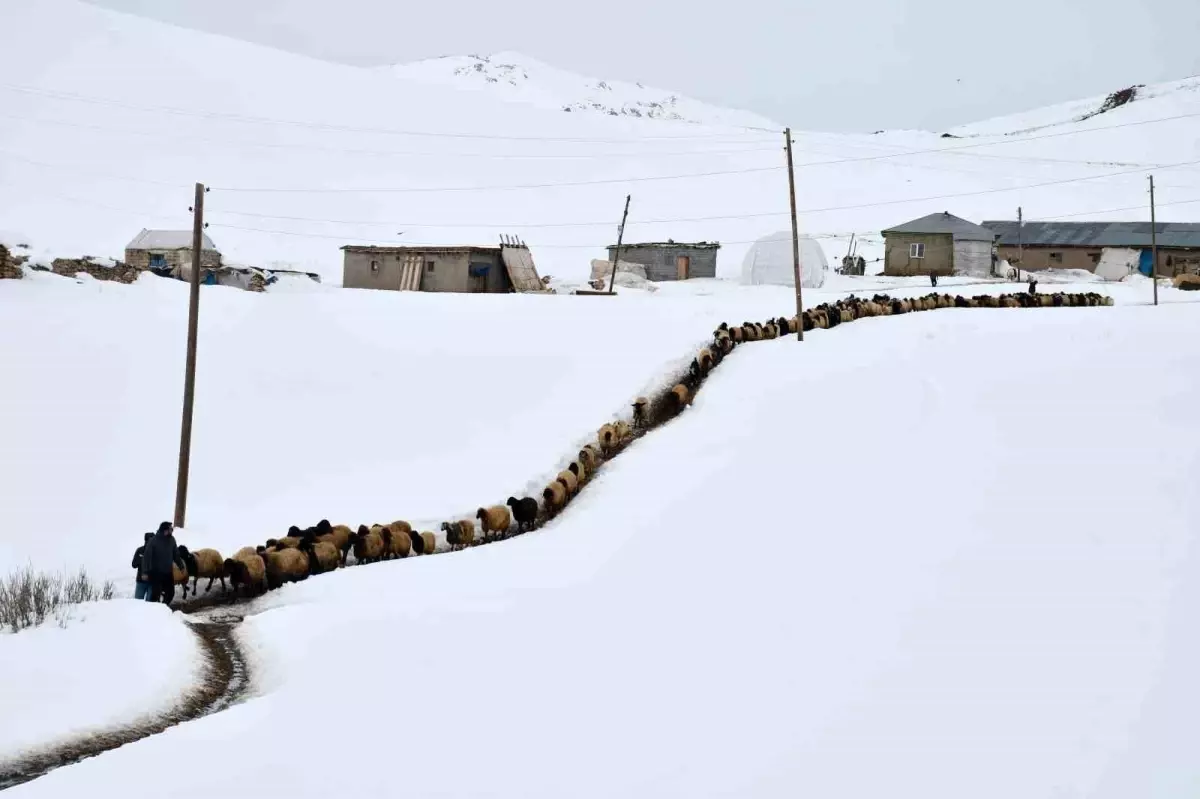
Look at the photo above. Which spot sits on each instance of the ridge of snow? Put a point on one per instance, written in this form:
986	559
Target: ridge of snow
516	77
1113	107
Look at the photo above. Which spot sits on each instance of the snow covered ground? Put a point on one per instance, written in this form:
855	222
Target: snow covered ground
947	554
308	156
113	663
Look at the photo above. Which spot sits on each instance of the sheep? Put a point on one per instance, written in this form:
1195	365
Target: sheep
339	535
806	319
1008	301
639	420
590	457
607	436
204	563
368	544
429	540
624	432
418	544
706	360
286	565
575	468
738	334
180	577
524	511
400	526
459	534
496	519
680	397
397	542
246	568
287	542
322	557
569	481
555	497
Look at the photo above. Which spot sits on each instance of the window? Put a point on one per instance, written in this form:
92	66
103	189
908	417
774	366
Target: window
374	266
1095	256
429	266
158	260
916	250
1056	257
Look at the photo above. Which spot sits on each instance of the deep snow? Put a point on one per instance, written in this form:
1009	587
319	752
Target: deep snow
95	146
946	554
113	663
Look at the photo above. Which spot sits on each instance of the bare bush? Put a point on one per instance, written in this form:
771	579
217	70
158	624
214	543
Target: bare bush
28	597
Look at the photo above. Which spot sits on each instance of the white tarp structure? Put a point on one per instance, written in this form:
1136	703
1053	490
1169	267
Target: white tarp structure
1117	262
768	262
629	274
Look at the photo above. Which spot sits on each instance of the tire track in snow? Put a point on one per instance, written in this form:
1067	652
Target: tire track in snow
225	682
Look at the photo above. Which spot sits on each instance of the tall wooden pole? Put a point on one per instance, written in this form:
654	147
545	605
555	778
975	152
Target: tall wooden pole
1020	240
620	237
787	135
189	379
1153	243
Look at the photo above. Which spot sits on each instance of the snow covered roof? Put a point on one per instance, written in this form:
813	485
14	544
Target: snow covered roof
1096	234
166	240
945	222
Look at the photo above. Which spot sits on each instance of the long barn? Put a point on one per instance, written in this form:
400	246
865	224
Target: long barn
671	260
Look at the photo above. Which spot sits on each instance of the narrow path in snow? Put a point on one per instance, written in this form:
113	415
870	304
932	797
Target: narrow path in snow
216	616
224	683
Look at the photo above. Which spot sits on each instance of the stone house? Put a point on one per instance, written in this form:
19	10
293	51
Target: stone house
465	269
1036	246
671	260
169	253
938	244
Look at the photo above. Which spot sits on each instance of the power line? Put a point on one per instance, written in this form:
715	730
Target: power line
1001	142
342	128
499	226
512	187
163	134
1141	207
92	172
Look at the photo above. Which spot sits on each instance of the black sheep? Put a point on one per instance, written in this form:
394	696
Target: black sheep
525	511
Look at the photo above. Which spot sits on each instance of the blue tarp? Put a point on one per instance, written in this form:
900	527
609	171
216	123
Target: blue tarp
479	270
1144	263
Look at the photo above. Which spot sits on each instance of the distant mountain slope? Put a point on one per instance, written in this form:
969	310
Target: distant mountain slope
1126	100
519	78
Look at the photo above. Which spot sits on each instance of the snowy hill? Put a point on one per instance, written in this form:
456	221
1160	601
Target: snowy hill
1133	102
519	78
308	156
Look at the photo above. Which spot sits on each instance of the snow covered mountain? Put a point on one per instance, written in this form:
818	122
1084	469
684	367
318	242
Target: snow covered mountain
308	156
519	78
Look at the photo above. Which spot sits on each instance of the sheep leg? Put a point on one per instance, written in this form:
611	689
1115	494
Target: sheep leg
208	587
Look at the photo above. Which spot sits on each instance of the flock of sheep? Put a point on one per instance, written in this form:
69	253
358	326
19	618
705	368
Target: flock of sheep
326	547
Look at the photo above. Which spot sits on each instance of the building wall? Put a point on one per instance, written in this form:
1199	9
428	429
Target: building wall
973	258
661	263
1170	261
440	272
176	259
939	254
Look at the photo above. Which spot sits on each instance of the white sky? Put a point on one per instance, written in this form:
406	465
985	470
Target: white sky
816	64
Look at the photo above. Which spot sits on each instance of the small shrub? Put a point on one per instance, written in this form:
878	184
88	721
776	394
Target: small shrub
28	597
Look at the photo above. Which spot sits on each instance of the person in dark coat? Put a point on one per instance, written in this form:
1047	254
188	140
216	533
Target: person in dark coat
141	589
933	279
159	555
1032	286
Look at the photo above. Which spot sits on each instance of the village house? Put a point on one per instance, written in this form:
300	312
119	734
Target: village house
1112	249
671	260
169	252
465	269
938	244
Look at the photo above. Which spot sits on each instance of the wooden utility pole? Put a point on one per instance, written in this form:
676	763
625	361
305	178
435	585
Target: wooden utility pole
612	278
787	136
1153	243
189	379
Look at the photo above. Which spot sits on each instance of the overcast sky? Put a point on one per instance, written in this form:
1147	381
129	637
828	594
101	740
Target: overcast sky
816	64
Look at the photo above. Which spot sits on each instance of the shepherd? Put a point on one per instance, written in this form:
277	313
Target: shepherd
159	554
